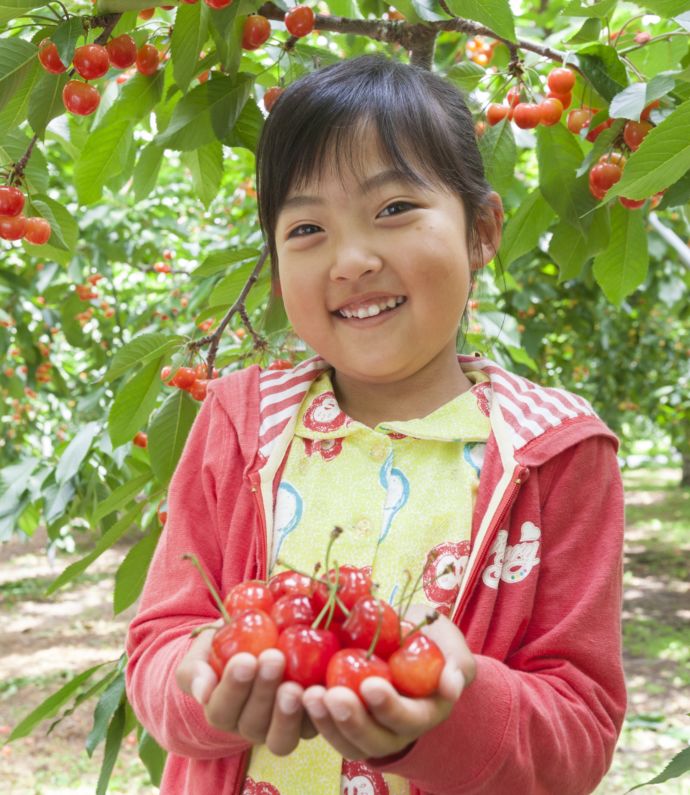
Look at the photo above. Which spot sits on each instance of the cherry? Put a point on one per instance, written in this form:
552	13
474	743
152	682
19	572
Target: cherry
564	99
635	132
550	111
602	176
201	371
49	58
249	595
147	60
162	512
642	37
271	96
91	61
80	98
353	584
216	4
561	81
252	631
644	116
11	200
495	113
184	378
280	364
350	667
613	157
290	583
291	610
416	666
299	21
165	374
256	31
122	51
595	132
12	227
199	389
513	97
140	439
526	115
631	204
308	653
38	231
578	119
147	13
362	626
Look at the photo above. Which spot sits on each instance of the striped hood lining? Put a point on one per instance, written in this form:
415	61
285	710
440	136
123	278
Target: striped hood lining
528	410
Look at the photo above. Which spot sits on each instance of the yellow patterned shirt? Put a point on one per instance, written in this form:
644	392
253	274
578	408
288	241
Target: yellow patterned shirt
404	494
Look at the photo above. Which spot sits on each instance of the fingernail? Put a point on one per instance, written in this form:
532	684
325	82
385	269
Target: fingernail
375	698
243	672
271	671
289	703
340	711
316	709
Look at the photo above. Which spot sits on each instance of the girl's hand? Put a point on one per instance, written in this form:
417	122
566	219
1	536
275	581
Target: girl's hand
392	722
250	700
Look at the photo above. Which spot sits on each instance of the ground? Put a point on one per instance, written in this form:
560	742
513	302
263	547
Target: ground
48	639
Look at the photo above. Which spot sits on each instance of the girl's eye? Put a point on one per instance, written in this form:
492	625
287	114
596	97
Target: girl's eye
304	230
395	208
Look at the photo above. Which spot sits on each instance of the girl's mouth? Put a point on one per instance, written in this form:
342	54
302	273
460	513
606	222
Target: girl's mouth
372	310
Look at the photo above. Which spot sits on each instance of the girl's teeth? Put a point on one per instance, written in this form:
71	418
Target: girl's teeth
373	309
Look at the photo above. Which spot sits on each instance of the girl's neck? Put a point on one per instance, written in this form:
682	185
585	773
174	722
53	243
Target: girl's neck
410	398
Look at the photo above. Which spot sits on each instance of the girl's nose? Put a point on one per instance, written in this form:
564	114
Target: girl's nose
351	262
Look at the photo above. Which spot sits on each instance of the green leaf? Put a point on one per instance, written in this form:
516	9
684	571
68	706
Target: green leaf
678	766
417	11
153	757
76	452
137	98
602	66
666	8
11	9
103	157
498	151
131	574
630	103
168	433
466	75
569	250
65	232
65	37
112	536
112	748
559	154
140	350
189	35
106	706
46	101
229	287
599	10
662	157
248	127
345	8
495	14
56	498
208	112
206	166
219	260
120	496
590	30
678	193
133	404
523	230
16	109
48	708
12	148
146	170
17	58
622	266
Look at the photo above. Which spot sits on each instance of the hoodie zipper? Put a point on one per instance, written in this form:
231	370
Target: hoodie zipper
520	475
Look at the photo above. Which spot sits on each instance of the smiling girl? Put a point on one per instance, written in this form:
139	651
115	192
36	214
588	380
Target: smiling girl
505	495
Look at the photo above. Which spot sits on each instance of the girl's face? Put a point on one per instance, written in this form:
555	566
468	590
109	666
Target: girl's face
374	271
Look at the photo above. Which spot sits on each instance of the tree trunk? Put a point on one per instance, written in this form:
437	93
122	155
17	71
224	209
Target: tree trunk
685	479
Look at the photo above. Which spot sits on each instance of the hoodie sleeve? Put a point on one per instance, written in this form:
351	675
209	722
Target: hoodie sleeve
546	719
175	600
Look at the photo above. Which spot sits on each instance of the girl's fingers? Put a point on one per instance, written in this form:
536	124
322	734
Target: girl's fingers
405	717
227	701
326	725
285	728
258	709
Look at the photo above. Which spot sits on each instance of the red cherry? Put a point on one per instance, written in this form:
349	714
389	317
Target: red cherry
147	60
308	654
350	667
513	97
199	388
122	51
416	666
652	106
162	512
91	61
564	99
635	132
217	3
38	231
613	157
184	378
550	112
642	37
290	583
292	610
578	119
249	595
256	31
601	177
12	227
141	439
80	98
252	631
280	364
362	625
49	58
353	584
631	204
165	374
299	21
561	81
201	371
494	113
147	13
527	115
11	200
595	132
270	98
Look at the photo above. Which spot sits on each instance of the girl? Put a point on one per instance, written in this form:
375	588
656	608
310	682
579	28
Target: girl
506	495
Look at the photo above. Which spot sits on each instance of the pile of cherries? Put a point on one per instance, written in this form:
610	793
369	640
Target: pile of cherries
190	379
528	115
14	225
92	61
332	630
299	22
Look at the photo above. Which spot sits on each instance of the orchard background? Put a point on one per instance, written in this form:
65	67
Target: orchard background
154	257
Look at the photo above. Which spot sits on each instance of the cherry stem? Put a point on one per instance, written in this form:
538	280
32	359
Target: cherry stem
209	585
377	634
424	623
198	630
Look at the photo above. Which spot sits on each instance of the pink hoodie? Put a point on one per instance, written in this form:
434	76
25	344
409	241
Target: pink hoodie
539	604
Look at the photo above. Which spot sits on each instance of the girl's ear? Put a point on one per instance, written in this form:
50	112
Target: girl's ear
489	230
